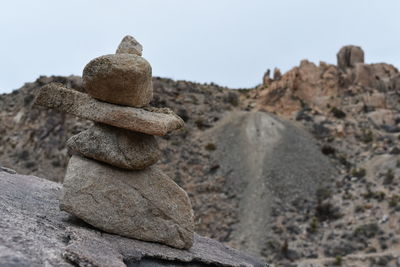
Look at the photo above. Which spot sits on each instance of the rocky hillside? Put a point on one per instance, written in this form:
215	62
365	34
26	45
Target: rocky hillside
352	109
317	183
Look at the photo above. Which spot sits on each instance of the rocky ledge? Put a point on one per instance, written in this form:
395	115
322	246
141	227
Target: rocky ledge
34	232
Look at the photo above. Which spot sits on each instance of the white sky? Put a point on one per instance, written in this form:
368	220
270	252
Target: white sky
229	42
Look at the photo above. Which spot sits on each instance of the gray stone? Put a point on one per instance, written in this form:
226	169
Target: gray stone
145	204
348	56
129	45
154	122
123	79
118	147
34	232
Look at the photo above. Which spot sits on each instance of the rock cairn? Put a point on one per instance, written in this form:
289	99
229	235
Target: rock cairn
110	182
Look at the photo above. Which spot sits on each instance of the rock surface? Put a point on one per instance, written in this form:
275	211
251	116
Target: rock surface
314	85
325	86
34	233
82	105
145	204
129	45
118	147
123	79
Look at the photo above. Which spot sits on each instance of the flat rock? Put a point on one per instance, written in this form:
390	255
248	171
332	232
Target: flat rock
145	204
34	232
129	45
118	147
123	79
57	96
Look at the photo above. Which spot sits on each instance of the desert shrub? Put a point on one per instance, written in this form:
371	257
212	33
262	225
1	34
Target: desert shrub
210	147
359	173
388	177
338	113
367	230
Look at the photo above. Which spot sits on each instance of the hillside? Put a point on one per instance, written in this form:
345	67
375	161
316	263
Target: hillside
352	109
320	176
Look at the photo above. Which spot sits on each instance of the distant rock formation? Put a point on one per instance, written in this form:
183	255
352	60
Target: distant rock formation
277	74
325	86
349	56
353	112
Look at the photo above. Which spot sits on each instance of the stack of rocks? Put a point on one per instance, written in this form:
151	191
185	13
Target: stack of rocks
110	181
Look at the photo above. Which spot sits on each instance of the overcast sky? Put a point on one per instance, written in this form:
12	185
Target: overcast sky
229	42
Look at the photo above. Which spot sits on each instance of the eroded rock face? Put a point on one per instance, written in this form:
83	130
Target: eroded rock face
118	147
123	79
381	76
271	164
129	45
310	84
324	86
348	56
145	204
82	105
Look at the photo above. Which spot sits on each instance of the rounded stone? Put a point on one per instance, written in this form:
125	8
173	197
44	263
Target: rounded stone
123	79
118	147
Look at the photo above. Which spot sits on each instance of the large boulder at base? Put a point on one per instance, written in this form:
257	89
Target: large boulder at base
123	79
35	233
348	56
269	164
118	147
144	204
149	121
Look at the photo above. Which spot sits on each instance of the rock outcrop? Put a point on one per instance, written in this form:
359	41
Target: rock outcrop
349	56
324	86
141	202
34	233
352	109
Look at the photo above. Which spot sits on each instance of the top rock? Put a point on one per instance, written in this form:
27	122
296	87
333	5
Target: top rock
348	56
129	45
122	79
